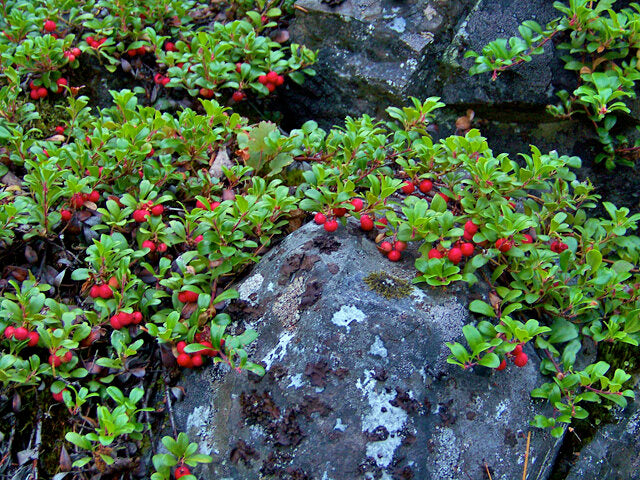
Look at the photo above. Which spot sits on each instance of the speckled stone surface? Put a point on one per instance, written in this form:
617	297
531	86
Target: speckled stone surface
357	385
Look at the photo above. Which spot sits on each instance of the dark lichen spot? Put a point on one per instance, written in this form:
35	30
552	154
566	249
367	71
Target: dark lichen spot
243	452
379	434
404	401
388	286
295	263
333	268
311	405
312	293
318	373
326	244
288	432
259	408
380	374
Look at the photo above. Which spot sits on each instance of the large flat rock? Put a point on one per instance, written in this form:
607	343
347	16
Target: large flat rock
357	385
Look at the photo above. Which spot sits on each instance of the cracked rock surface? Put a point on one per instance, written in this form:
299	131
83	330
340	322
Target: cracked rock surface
357	384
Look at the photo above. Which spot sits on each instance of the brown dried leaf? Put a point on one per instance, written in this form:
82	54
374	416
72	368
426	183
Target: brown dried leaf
30	254
220	160
65	460
280	36
56	138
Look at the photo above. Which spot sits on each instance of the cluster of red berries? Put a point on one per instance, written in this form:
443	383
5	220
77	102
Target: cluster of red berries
161	79
425	186
72	54
214	205
196	359
393	251
124	319
188	296
160	247
331	224
206	92
271	80
460	248
56	361
101	291
133	52
21	334
140	215
95	43
181	471
78	199
558	246
520	358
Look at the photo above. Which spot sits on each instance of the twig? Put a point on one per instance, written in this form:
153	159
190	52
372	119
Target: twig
486	467
170	410
526	456
36	447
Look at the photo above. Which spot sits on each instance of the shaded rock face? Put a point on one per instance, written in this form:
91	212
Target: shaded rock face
357	384
614	452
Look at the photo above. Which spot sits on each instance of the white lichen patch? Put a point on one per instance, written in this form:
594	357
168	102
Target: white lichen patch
279	351
381	413
399	25
295	381
346	315
500	409
198	424
377	348
341	427
448	453
250	286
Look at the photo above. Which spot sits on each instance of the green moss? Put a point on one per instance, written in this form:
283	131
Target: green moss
388	286
619	355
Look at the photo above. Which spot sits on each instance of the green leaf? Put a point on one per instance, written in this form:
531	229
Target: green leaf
478	306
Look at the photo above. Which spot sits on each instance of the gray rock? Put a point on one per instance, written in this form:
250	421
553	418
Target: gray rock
357	385
614	452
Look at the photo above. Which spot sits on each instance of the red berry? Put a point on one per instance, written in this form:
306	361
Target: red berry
8	332
62	82
408	188
181	471
149	244
467	236
76	200
170	47
94	196
59	130
331	225
279	80
386	247
502	366
58	396
445	198
106	292
115	322
366	223
65	215
142	50
470	227
165	81
133	52
527	238
272	77
357	203
206	92
339	211
42	92
238	67
197	360
198	239
503	244
467	249
263	79
394	255
382	223
320	218
140	215
199	204
400	246
180	346
184	360
517	351
521	359
20	333
54	360
191	297
126	319
34	94
425	186
434	253
76	51
67	357
157	78
95	291
238	96
71	57
157	210
50	26
271	87
455	255
162	247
